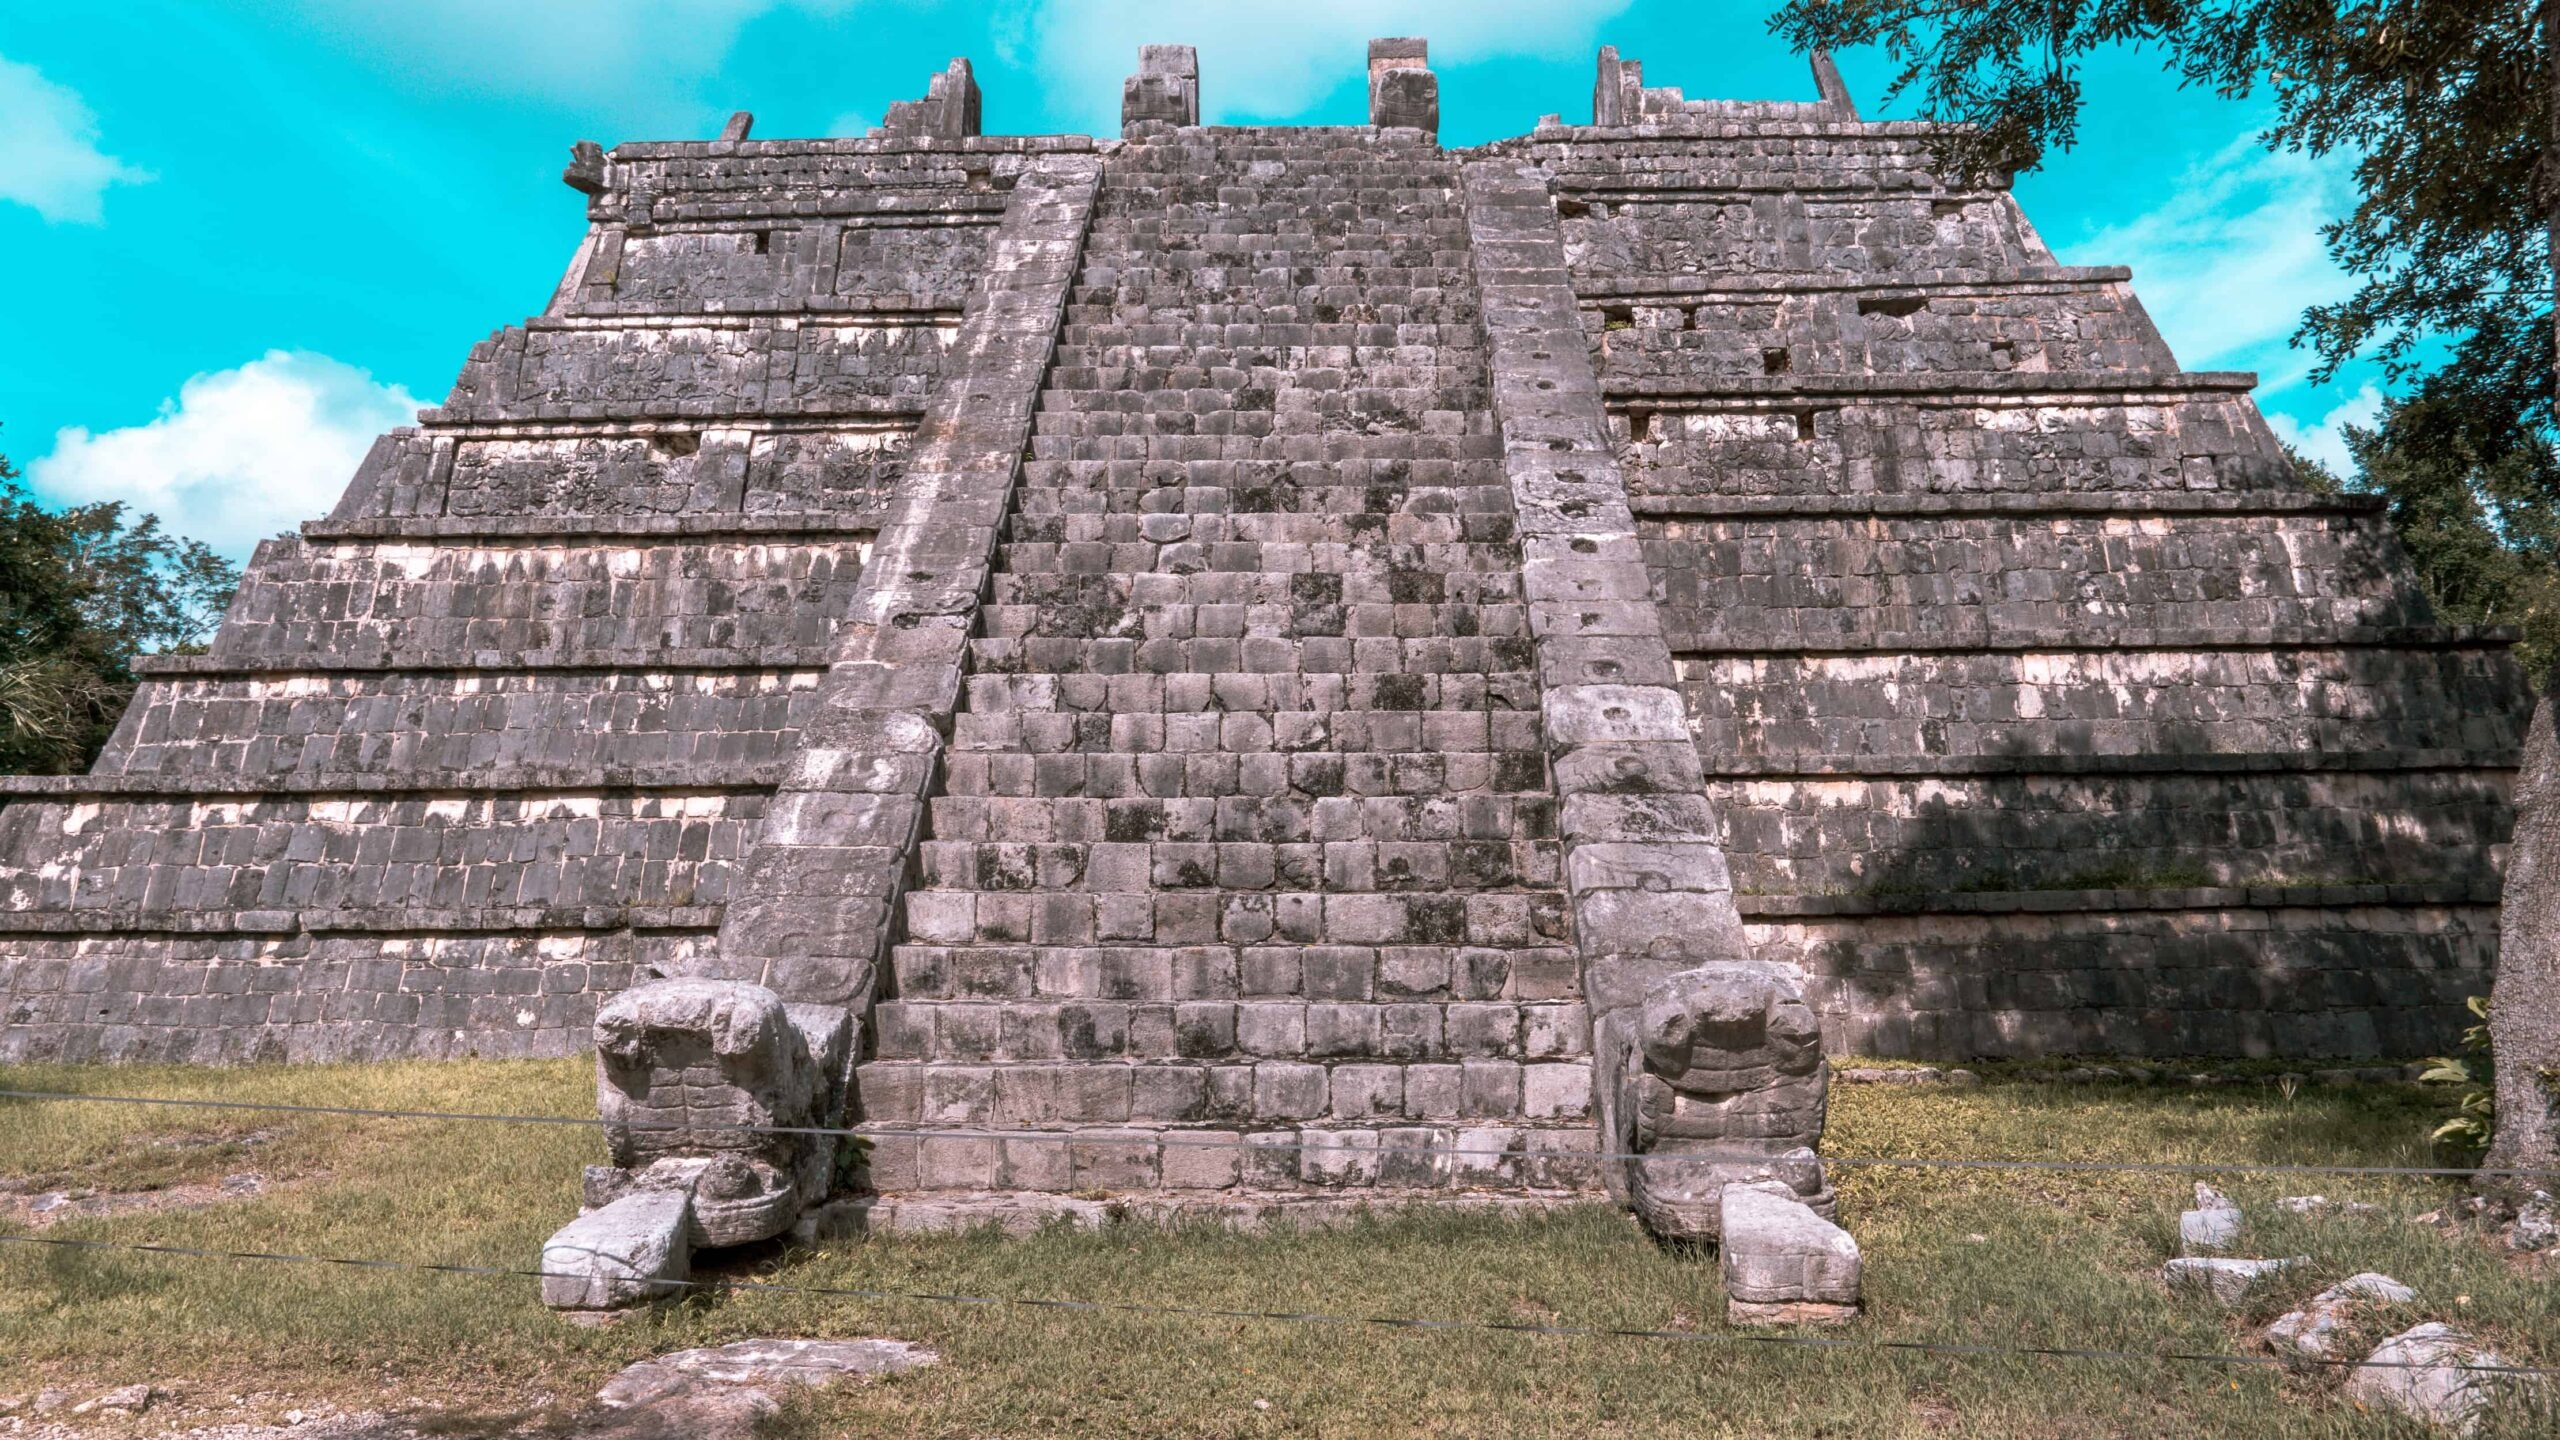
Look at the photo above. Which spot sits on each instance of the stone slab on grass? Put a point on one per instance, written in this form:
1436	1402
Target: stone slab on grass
2226	1282
634	1250
761	1364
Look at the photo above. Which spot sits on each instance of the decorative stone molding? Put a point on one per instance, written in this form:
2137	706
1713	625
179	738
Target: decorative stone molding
948	111
1166	89
1402	90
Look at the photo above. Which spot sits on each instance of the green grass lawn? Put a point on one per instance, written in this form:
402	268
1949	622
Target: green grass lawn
1997	1258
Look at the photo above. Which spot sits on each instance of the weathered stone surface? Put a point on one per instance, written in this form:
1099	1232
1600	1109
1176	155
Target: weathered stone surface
1775	1252
2226	1282
637	1249
2315	1331
2433	1373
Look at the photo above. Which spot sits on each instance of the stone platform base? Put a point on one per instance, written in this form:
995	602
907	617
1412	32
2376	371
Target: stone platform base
930	1212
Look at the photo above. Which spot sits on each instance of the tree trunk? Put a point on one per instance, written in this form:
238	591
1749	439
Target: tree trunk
2524	1000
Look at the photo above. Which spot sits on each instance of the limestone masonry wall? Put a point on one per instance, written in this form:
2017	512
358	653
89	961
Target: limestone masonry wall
1284	631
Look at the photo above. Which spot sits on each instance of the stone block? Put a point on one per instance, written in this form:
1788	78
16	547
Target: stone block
631	1251
1774	1251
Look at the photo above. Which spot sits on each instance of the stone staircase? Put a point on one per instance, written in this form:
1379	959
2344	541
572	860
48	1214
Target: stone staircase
1247	827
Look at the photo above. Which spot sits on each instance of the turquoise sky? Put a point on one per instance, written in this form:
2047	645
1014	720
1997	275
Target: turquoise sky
244	236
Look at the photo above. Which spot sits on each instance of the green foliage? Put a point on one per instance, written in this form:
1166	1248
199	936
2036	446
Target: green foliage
2475	1119
82	591
2477	505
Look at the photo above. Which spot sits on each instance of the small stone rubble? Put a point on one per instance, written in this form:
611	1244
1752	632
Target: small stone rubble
2536	1226
40	1208
2432	1373
2211	1228
2315	1331
721	1393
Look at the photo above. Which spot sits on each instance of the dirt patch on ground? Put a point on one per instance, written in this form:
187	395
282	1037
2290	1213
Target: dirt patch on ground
110	1187
40	1210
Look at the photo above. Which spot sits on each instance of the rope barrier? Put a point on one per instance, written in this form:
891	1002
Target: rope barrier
1199	1312
1254	1142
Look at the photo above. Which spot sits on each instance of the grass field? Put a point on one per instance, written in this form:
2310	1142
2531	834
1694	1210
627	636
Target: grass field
1966	1257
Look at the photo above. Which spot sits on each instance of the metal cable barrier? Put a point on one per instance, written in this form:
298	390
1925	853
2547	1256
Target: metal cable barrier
1302	1317
1257	1144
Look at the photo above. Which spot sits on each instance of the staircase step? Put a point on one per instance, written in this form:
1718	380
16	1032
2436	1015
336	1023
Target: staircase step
1243	1092
1252	912
1050	1029
1527	977
1385	1159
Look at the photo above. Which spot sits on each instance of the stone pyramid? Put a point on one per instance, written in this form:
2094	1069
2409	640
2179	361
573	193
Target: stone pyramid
1284	632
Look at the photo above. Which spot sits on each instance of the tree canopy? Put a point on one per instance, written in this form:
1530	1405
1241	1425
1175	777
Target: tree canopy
83	591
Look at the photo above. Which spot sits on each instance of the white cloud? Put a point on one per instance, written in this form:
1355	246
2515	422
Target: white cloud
578	51
239	454
1266	58
50	160
852	123
2228	265
2325	439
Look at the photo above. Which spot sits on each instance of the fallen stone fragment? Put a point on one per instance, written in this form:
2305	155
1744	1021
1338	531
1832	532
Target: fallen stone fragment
2314	1204
127	1400
2433	1374
2225	1282
2314	1331
727	1393
1782	1263
635	1249
777	1364
2210	1228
